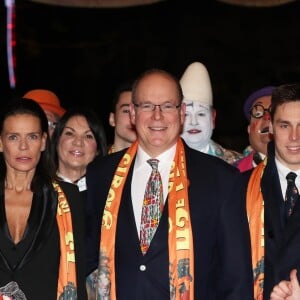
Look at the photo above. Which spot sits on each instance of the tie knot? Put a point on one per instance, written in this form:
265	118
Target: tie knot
290	177
153	162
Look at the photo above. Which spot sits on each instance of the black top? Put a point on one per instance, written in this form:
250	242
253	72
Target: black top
33	262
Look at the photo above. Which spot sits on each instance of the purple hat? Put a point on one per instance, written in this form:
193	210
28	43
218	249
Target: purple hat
266	91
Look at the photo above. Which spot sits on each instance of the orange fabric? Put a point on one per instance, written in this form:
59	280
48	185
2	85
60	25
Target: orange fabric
181	255
180	232
67	267
111	149
255	212
47	100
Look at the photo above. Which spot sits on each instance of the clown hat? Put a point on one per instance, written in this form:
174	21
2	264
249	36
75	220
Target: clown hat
265	91
47	100
195	84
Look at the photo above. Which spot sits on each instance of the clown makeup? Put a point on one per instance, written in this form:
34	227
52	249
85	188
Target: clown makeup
198	125
258	128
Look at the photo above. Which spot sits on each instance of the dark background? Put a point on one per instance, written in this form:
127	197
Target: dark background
82	54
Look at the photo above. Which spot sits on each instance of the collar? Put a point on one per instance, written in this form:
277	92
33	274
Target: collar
165	158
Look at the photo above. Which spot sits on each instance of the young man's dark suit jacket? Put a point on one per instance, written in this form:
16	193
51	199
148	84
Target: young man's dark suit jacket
220	233
282	240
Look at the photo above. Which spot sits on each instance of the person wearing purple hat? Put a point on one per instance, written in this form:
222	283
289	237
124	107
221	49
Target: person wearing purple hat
256	110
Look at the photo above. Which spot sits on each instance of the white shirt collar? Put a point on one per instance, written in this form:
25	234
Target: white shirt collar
165	158
282	172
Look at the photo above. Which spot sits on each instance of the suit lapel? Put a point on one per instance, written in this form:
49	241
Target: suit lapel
273	203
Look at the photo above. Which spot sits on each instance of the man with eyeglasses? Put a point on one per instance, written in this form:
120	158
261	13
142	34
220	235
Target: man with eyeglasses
256	110
49	103
191	244
200	114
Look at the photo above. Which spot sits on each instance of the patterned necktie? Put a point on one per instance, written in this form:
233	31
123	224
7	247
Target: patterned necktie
152	206
291	195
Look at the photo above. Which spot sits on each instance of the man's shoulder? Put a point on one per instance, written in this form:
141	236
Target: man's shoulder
229	155
207	162
107	161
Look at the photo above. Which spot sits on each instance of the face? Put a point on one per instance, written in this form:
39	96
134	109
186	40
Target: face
258	129
286	132
157	131
198	124
77	146
124	130
22	142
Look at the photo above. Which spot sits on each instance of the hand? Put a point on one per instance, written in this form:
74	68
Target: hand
287	290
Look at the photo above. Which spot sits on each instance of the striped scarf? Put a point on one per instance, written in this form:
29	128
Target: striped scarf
181	256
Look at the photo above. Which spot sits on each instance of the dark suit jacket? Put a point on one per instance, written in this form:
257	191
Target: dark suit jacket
219	224
282	241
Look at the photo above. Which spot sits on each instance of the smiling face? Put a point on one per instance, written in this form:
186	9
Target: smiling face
22	142
198	124
157	131
286	131
258	129
76	147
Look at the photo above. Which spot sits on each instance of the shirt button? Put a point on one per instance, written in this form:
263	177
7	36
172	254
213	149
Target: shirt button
142	268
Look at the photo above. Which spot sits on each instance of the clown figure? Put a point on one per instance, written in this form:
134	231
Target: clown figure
200	115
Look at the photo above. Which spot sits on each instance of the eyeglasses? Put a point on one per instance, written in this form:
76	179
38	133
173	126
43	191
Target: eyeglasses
165	107
52	125
258	111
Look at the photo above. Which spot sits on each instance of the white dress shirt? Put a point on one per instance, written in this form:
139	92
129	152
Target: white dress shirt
282	172
141	174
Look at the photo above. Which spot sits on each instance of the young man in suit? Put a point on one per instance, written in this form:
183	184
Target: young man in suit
274	215
201	247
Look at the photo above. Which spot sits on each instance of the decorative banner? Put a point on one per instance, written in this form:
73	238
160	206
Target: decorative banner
258	3
98	3
10	41
125	3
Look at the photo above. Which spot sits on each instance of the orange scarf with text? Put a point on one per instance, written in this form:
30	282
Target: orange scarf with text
255	212
66	289
181	256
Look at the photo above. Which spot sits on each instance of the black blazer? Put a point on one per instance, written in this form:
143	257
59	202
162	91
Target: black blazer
282	241
33	263
222	261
